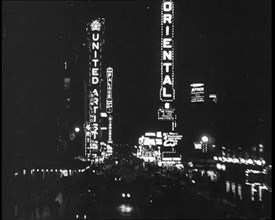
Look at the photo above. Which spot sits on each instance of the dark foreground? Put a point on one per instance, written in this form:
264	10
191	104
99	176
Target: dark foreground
120	193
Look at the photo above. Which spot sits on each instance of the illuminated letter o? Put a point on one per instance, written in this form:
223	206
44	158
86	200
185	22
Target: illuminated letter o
167	6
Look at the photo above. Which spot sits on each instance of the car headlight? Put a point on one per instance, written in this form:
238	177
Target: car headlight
125	208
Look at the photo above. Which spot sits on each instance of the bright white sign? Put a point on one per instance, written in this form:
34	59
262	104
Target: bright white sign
197	92
94	36
171	139
109	100
167	92
166	114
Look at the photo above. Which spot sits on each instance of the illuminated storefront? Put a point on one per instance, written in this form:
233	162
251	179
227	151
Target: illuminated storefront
243	174
158	147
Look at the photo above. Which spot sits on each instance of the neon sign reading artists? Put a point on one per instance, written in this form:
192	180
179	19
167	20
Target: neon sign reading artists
167	92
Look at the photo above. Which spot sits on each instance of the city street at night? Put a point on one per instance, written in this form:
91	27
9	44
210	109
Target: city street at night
152	193
141	109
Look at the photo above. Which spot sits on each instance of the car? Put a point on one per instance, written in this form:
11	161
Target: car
126	196
86	206
84	211
125	209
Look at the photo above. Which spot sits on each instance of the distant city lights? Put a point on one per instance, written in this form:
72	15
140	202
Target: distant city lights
242	160
227	185
219	166
240	191
204	139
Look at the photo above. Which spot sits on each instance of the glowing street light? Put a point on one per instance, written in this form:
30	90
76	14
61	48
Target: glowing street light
204	139
76	129
204	143
204	150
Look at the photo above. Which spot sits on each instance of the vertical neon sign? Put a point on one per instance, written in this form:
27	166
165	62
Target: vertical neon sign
167	91
92	128
109	102
109	99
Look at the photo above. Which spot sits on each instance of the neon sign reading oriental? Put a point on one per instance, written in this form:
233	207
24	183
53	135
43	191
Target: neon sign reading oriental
167	92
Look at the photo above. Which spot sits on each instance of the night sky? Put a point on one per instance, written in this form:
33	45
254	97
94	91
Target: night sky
225	44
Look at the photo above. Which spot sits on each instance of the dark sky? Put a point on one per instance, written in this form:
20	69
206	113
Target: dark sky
225	44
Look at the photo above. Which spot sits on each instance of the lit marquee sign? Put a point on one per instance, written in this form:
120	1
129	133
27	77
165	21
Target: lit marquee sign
167	91
170	156
171	139
94	35
151	139
167	113
197	145
167	139
197	92
109	100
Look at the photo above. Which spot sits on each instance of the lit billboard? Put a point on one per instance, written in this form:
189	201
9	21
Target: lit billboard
197	92
167	139
171	139
166	113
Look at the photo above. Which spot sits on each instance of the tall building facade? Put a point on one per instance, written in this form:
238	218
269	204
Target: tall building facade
70	117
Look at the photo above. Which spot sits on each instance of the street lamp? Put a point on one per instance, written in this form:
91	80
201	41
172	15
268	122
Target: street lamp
204	144
204	151
76	129
204	139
